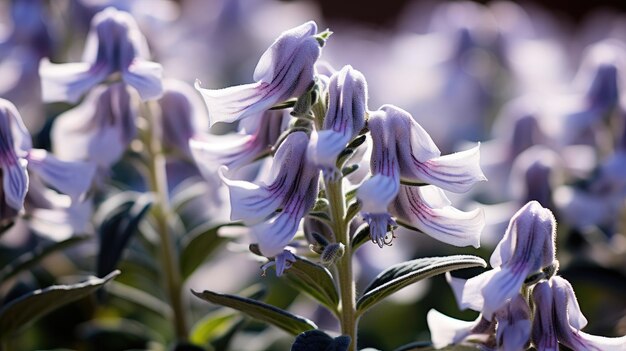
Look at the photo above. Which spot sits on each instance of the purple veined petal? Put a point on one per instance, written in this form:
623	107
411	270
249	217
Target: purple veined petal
414	142
273	235
99	129
504	284
145	76
528	240
347	94
468	292
427	209
237	150
69	81
70	178
456	172
287	71
12	166
514	325
282	50
18	132
543	330
253	203
445	330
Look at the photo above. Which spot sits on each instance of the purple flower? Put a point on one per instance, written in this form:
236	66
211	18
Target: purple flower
256	137
347	96
509	330
292	189
285	70
99	129
558	319
527	247
282	261
114	44
18	159
402	150
182	116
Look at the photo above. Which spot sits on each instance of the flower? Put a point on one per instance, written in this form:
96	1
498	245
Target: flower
402	150
114	44
18	159
255	138
558	319
99	129
285	70
347	96
527	247
509	330
293	190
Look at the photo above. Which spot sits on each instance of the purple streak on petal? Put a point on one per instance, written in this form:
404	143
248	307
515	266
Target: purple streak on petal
514	325
543	330
427	209
12	165
285	70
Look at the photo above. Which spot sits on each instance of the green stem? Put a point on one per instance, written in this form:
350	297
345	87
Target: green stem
161	212
348	316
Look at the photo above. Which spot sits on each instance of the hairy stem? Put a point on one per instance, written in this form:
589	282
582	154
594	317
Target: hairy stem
348	316
161	212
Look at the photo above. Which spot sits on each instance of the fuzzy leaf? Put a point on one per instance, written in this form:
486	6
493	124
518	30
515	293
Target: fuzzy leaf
267	313
212	326
198	245
403	274
31	258
315	280
27	308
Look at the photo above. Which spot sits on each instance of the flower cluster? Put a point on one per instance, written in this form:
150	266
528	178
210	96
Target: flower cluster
524	268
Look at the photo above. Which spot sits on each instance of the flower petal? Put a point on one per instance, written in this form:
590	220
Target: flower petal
377	192
69	81
445	330
70	178
427	209
145	76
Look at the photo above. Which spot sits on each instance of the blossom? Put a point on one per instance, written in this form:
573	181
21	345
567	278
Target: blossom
527	247
99	129
285	70
18	160
114	44
347	96
509	330
255	138
558	319
292	189
402	150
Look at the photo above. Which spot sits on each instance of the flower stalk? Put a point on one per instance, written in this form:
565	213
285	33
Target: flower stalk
161	212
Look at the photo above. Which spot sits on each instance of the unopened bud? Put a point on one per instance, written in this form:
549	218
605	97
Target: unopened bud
332	253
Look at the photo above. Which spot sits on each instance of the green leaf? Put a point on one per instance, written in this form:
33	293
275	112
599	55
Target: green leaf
267	313
361	236
198	245
18	313
213	326
31	258
315	280
403	274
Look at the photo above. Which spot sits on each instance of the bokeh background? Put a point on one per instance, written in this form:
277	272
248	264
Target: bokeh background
512	76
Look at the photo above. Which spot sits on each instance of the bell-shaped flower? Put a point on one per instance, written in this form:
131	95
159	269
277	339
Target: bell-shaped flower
527	247
427	209
182	116
285	70
509	330
114	45
255	138
403	150
99	129
292	190
345	117
558	319
18	159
